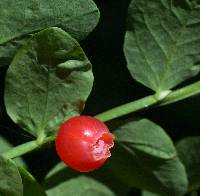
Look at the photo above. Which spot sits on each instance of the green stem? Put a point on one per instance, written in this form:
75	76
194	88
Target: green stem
127	108
25	148
182	93
162	98
20	150
177	95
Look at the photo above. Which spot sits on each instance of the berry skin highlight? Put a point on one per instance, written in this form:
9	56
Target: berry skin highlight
84	143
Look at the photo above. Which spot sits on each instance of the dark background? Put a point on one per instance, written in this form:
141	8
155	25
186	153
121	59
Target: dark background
113	86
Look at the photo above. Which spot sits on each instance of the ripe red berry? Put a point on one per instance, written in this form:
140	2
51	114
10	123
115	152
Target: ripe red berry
84	143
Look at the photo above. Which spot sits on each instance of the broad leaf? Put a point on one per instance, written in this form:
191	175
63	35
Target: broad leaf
10	180
79	186
5	146
19	18
30	185
189	153
22	17
145	168
61	173
48	82
146	136
162	42
164	177
61	182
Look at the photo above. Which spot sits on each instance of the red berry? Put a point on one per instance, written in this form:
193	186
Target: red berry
84	143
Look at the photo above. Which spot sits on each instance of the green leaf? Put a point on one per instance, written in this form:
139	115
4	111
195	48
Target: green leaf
117	186
62	181
162	42
77	17
189	153
5	146
30	185
79	186
146	136
48	82
165	177
10	180
61	173
146	166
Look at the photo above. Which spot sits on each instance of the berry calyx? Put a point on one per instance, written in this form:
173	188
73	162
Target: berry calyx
84	143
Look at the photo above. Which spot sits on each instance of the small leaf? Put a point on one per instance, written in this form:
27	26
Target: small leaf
77	17
162	42
145	168
30	185
48	82
5	146
10	180
189	153
146	136
62	181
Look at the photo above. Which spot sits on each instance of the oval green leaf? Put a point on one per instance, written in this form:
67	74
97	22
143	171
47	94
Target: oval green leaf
150	166
78	17
62	181
10	180
147	137
61	173
48	82
137	169
162	42
189	153
81	185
